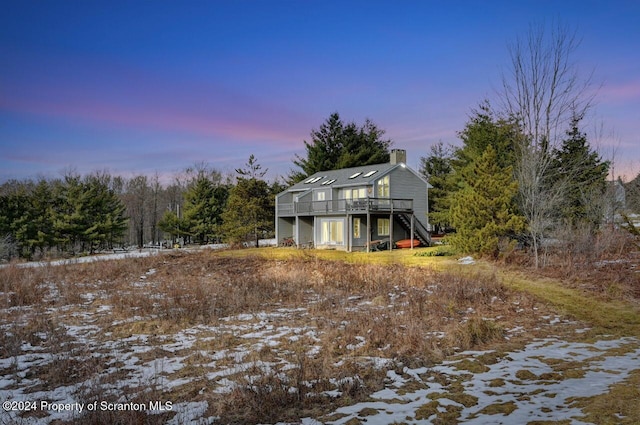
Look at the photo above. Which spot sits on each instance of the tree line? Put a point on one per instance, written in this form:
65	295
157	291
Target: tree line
525	173
70	214
77	214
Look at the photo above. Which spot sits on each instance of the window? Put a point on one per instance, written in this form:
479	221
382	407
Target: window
383	227
320	196
358	193
332	232
370	173
353	176
356	228
383	187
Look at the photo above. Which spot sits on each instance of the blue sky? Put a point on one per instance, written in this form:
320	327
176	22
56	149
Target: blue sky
138	87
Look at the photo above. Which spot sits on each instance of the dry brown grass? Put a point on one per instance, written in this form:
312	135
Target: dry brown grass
353	313
606	264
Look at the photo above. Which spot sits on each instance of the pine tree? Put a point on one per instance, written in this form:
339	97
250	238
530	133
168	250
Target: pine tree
436	168
68	215
483	130
482	211
338	145
585	174
204	204
34	228
173	226
104	219
250	208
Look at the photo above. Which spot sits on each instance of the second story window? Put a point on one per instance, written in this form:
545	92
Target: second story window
358	193
383	187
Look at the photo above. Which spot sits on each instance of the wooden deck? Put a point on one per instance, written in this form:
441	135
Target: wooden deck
346	206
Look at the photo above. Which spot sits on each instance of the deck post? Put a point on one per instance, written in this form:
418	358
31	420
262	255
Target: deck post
348	233
368	230
391	230
412	218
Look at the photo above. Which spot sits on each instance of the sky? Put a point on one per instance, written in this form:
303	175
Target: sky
145	87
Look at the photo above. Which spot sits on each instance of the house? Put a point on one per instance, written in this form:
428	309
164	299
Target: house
355	208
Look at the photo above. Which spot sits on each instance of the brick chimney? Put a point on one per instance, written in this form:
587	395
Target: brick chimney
398	156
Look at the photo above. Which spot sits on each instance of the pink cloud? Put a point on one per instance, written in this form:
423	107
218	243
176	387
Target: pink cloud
629	91
198	109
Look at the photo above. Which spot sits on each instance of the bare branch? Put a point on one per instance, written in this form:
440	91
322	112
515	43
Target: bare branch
543	88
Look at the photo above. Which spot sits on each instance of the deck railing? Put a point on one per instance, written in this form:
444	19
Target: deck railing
346	205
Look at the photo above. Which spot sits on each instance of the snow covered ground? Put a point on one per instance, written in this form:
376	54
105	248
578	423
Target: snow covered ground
536	383
521	387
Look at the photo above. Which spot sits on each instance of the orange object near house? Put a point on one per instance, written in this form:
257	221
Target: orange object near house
406	243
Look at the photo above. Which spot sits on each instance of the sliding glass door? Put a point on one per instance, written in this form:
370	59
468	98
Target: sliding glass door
331	231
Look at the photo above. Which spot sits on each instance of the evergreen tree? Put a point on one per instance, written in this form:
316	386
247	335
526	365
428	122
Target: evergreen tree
483	130
105	222
34	228
13	200
250	208
17	214
482	211
87	214
173	226
69	216
338	145
204	204
585	174
436	168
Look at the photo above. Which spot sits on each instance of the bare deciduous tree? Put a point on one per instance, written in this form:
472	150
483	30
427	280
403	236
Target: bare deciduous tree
543	90
539	194
136	201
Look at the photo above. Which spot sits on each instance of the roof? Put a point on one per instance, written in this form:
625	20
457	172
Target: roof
355	176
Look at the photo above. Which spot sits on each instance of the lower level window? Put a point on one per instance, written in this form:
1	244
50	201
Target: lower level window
383	227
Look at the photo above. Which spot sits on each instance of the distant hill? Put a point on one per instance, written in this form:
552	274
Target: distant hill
632	195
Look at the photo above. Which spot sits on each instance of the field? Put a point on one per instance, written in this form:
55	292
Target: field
286	336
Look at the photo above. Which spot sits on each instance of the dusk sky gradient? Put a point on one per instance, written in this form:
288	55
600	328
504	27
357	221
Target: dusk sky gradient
138	87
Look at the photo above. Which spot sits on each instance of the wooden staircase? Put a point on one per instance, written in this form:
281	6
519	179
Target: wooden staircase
419	231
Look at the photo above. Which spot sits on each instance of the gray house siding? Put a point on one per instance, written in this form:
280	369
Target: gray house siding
285	227
324	208
404	184
305	233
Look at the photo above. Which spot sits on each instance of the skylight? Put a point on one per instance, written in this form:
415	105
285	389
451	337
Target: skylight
308	181
315	179
328	182
353	176
370	173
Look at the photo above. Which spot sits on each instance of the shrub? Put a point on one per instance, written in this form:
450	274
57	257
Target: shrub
438	252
